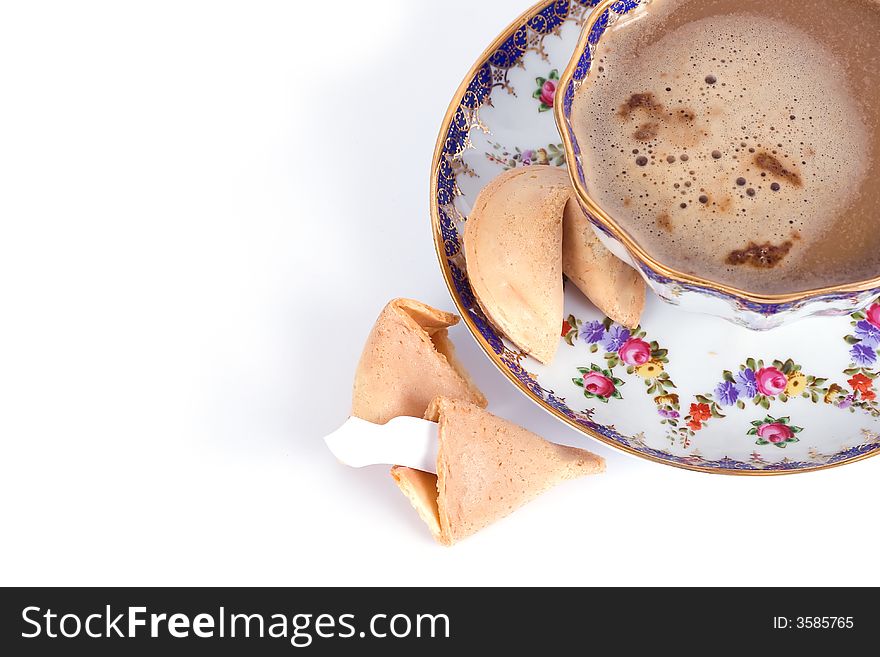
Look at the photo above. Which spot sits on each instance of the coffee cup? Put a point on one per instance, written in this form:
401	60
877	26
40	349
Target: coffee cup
673	141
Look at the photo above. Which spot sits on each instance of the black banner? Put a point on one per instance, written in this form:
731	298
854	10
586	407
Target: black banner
349	621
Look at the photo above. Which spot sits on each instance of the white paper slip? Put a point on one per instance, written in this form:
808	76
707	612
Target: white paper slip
405	441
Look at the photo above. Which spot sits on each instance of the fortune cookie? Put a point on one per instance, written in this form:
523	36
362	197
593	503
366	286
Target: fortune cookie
513	249
613	286
487	467
407	361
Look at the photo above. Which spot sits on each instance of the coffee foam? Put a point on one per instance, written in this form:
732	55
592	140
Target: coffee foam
727	147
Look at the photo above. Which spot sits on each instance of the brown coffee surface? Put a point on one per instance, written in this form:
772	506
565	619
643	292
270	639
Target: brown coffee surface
735	140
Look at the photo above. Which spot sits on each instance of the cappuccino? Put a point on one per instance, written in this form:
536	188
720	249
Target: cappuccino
735	140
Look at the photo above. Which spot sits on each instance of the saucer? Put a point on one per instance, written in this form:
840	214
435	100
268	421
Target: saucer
683	389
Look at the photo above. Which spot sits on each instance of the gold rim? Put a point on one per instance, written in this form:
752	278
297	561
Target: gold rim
463	311
631	245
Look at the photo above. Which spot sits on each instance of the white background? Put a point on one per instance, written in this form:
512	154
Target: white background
203	207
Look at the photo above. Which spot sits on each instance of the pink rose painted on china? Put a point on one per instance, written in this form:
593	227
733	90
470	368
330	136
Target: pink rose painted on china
546	91
873	315
777	432
770	381
599	384
635	352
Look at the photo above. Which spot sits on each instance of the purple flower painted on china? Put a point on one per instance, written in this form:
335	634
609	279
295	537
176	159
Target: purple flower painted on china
867	332
727	393
669	415
615	339
528	157
863	354
593	332
747	383
846	402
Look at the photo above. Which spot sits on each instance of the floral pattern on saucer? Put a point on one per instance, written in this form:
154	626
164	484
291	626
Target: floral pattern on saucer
552	154
623	348
757	384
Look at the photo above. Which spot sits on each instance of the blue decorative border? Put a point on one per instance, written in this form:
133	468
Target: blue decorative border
546	19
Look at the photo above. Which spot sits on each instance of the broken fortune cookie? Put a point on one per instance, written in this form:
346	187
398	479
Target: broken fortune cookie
513	250
487	467
407	361
613	286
